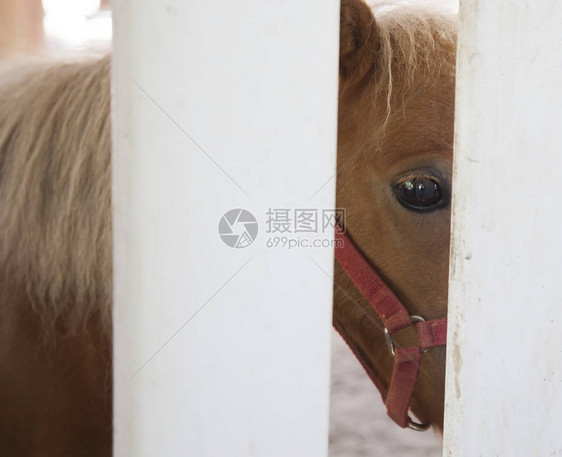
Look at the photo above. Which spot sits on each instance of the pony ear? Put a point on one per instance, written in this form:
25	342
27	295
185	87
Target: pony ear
358	39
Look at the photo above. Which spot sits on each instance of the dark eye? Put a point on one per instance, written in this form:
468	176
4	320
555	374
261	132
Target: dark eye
419	193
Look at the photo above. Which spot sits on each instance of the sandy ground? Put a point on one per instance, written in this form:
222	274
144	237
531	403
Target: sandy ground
359	426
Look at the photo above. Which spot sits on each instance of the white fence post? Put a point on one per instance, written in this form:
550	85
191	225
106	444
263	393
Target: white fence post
220	105
504	367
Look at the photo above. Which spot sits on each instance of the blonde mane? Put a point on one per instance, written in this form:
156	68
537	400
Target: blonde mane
55	193
55	155
417	42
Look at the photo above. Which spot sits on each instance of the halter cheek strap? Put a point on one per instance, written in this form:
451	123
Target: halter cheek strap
394	317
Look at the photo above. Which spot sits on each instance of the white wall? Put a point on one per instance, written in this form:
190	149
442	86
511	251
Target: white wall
504	372
219	105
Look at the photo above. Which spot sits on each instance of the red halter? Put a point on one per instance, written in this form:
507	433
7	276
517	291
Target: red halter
394	317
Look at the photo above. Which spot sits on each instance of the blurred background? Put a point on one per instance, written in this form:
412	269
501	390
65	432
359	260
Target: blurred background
35	26
359	426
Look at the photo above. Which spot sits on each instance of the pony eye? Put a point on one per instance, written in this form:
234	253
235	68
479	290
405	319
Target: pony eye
419	193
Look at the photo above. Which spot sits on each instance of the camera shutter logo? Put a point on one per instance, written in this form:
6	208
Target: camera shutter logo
238	228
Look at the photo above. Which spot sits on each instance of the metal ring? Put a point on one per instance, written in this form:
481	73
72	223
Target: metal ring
418	427
390	342
416	318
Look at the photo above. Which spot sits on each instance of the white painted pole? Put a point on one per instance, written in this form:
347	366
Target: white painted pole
504	366
220	105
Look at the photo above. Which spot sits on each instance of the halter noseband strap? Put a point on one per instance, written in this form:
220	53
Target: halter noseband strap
394	316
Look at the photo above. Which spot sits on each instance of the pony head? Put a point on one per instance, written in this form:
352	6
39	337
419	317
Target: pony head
395	143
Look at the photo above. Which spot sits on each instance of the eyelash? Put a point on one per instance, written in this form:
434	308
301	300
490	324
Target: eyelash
417	176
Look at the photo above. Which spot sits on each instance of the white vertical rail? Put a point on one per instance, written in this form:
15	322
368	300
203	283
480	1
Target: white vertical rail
220	105
504	367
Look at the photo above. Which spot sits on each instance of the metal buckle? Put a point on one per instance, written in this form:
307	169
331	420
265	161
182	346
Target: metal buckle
412	424
390	344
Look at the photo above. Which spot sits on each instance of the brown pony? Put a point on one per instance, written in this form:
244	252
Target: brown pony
395	143
395	135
